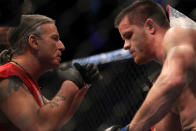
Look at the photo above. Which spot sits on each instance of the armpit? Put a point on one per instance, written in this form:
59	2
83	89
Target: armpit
174	109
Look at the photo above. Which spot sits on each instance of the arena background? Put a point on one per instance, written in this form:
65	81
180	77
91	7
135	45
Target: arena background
86	28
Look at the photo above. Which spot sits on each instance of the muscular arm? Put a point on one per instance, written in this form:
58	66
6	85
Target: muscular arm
63	106
19	106
176	73
75	104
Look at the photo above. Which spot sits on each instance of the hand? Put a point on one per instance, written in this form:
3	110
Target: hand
117	128
72	75
89	72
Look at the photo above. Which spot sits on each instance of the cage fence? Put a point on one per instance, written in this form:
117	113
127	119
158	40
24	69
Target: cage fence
112	100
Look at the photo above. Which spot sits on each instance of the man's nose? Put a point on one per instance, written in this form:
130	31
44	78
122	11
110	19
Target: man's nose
126	45
60	45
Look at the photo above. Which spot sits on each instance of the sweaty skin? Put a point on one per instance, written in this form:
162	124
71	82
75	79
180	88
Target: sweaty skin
172	97
182	115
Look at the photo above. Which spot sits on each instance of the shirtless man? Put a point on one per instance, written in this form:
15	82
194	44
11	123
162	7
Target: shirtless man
171	102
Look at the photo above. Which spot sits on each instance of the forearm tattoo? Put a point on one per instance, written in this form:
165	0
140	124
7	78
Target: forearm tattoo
57	99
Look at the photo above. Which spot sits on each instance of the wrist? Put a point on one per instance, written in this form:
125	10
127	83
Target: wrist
69	84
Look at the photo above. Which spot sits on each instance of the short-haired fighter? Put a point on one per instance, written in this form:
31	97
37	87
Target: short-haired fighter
171	102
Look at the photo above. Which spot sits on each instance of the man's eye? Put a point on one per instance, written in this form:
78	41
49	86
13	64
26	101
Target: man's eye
55	38
128	36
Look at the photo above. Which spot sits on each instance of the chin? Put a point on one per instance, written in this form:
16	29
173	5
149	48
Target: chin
55	64
140	61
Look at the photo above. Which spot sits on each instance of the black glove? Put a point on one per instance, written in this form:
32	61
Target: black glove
117	128
72	75
80	75
89	72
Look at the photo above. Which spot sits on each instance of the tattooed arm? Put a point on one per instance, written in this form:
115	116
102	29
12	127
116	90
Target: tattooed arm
71	105
17	103
75	103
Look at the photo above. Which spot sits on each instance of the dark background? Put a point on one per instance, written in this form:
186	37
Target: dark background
86	26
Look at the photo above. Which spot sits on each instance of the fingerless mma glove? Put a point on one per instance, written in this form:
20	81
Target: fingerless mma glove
81	74
90	72
72	75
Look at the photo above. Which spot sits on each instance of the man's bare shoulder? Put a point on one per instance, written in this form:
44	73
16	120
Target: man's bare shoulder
180	34
10	85
179	37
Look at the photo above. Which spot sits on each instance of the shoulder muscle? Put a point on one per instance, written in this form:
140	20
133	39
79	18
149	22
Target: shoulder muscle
10	85
179	35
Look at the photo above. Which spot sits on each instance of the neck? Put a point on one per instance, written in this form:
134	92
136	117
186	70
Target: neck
159	57
158	53
29	65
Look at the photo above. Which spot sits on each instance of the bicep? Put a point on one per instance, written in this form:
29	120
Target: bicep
179	51
179	64
17	103
176	73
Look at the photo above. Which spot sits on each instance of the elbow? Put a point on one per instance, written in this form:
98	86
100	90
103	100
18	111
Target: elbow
175	85
70	87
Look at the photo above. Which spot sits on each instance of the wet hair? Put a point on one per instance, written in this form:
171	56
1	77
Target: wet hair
18	36
141	10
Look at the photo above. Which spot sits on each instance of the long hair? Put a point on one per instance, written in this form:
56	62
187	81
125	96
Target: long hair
18	36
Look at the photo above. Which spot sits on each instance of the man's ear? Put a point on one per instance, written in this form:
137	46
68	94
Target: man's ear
33	41
150	26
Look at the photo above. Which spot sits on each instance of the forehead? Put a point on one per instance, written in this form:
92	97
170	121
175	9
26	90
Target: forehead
125	25
49	28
